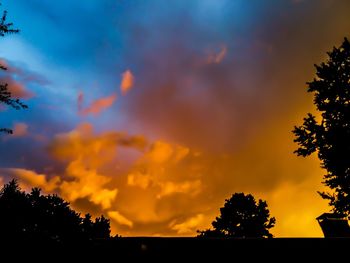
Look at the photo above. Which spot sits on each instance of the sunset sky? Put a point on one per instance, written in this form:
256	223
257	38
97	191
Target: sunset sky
153	112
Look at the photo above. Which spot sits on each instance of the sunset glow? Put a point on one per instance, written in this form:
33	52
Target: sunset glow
153	113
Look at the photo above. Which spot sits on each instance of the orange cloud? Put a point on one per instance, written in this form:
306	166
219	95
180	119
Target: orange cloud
171	189
29	179
189	226
185	187
154	171
87	183
97	106
127	82
86	153
119	218
20	129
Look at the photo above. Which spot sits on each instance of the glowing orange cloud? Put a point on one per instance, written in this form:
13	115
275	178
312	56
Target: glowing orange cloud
28	179
188	226
127	82
87	154
87	183
171	189
119	218
97	106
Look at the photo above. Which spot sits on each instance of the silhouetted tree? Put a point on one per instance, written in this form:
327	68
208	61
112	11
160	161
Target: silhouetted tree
14	209
45	217
5	94
88	227
329	135
242	217
101	228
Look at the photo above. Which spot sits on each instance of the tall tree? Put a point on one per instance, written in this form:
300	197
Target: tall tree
241	216
5	95
329	135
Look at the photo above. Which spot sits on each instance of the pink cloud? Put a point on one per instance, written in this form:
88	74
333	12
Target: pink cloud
20	129
22	74
127	82
17	89
217	57
97	106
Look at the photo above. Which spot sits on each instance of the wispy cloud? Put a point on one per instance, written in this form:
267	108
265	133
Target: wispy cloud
127	82
97	106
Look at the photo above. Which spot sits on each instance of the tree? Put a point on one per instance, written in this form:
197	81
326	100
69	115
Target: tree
329	135
5	95
45	217
242	217
101	228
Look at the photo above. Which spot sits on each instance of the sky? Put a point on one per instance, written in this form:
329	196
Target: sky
154	112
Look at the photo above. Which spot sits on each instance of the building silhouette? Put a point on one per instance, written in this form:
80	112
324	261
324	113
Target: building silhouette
334	225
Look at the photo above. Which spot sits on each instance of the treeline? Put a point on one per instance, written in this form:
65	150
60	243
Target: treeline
45	217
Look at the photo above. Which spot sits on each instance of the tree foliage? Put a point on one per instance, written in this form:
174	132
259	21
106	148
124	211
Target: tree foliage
45	217
241	216
329	135
5	95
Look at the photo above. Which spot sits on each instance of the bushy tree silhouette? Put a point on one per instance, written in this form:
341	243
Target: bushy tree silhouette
329	135
242	217
45	217
5	95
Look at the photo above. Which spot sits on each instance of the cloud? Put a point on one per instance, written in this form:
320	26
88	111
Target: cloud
127	82
86	157
86	153
19	79
160	152
80	101
22	73
29	179
217	57
97	106
163	187
120	219
155	170
17	89
87	183
186	187
189	226
20	129
95	149
237	110
212	129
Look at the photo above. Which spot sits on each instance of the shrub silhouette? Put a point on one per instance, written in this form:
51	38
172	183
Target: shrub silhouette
330	136
45	217
242	217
